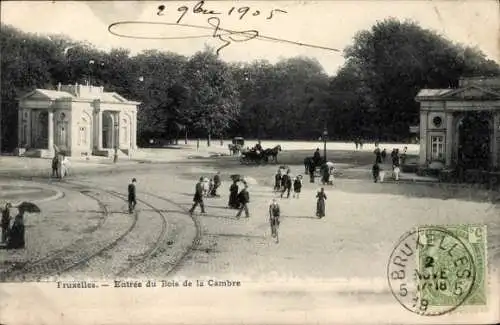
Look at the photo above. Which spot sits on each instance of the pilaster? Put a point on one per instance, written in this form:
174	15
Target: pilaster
495	140
51	130
423	138
20	127
449	138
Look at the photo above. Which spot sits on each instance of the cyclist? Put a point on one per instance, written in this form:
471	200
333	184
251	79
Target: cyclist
274	218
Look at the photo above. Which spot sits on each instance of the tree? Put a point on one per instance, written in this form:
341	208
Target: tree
394	60
214	100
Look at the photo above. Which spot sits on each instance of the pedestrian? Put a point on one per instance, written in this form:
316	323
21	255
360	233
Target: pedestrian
320	203
311	170
131	196
197	144
274	218
375	172
317	157
233	195
403	155
297	186
243	199
55	165
216	184
360	141
65	165
395	172
16	233
378	154
210	187
198	197
325	174
383	155
331	177
286	184
356	143
277	180
5	222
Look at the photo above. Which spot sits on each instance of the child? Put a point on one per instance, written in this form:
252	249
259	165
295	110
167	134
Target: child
297	186
396	172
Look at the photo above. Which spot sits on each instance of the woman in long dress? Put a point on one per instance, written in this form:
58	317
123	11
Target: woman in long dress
16	233
320	203
233	195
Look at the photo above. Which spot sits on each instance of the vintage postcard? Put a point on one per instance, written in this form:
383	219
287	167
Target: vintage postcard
249	162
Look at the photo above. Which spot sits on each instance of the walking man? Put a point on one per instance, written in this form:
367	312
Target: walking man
297	186
286	182
243	198
277	180
131	196
198	197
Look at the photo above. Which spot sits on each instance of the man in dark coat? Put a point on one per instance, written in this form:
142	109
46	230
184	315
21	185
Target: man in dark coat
16	233
55	166
311	169
233	195
317	157
5	222
198	197
243	199
216	184
286	182
378	155
131	196
277	180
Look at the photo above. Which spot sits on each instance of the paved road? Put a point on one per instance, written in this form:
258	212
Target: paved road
346	252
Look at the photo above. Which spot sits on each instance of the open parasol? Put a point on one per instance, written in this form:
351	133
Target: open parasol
29	207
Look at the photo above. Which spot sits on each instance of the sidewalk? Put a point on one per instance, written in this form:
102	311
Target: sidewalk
403	177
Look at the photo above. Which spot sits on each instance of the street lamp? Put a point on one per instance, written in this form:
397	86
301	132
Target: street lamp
325	134
115	158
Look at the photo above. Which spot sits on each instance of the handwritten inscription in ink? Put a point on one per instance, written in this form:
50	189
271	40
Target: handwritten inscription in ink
200	8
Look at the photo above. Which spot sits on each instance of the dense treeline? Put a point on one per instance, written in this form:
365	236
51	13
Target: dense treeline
372	95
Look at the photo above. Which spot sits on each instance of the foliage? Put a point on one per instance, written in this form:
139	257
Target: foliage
372	94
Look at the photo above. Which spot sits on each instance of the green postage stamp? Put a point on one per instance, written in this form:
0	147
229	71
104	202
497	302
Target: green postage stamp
433	270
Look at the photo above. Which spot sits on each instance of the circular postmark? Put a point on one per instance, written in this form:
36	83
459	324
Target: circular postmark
431	271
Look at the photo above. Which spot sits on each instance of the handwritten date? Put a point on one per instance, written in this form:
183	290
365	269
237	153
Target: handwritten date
199	8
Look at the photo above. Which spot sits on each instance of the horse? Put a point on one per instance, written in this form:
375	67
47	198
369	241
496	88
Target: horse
273	153
234	149
309	161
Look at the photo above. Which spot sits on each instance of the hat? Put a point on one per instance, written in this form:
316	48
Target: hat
134	180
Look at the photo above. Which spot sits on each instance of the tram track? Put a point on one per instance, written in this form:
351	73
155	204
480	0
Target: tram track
82	251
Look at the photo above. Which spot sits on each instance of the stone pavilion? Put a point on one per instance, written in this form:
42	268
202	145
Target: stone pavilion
460	127
77	119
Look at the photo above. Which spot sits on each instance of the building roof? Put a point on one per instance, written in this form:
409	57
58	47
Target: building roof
52	94
433	92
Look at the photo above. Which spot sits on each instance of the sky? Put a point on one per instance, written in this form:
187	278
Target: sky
330	24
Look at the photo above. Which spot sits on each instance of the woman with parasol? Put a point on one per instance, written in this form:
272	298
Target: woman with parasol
17	231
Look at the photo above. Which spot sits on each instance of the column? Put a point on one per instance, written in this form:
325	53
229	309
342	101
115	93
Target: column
51	130
134	130
117	129
449	139
423	138
98	129
28	129
20	126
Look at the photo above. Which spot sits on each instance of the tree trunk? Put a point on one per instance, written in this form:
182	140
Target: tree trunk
209	138
186	137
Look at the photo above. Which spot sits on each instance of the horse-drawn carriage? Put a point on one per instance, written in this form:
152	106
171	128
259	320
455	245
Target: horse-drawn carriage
236	146
260	156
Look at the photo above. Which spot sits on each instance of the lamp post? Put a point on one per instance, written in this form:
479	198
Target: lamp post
325	134
115	157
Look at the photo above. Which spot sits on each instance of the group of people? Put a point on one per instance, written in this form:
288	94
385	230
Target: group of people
380	157
60	166
283	183
12	235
